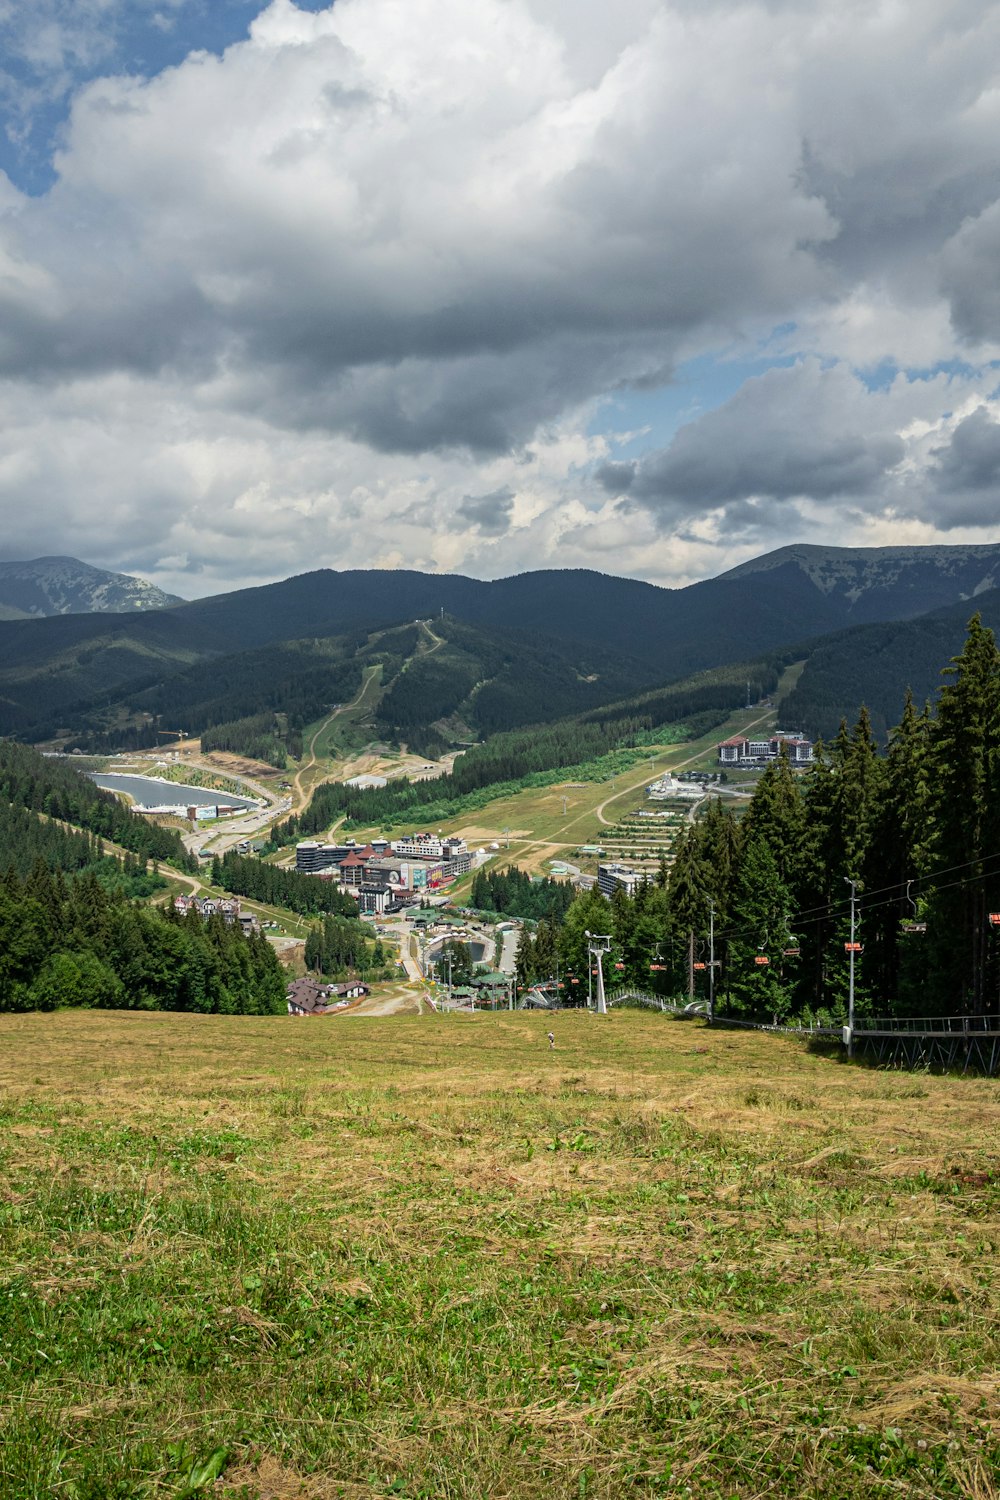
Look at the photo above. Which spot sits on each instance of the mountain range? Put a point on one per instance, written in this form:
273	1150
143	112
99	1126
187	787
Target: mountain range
882	583
840	608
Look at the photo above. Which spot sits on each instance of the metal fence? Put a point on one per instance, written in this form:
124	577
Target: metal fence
928	1025
652	1002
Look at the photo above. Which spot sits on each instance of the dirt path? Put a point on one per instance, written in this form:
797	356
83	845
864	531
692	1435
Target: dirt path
300	798
437	639
397	1003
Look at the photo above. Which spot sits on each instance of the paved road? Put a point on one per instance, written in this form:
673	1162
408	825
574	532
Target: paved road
508	950
234	831
633	786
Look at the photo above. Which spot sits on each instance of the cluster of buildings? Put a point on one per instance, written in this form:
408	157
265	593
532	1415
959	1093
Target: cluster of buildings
306	997
386	874
196	813
740	750
226	907
669	789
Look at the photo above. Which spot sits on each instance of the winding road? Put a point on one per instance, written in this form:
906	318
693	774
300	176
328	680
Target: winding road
532	846
300	798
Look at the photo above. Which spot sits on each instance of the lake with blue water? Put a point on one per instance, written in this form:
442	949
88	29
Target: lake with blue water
153	791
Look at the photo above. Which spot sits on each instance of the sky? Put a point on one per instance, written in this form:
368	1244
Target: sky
485	286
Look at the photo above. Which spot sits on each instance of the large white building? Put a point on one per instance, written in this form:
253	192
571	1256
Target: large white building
615	877
740	750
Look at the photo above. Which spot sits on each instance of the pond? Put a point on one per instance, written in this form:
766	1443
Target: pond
153	791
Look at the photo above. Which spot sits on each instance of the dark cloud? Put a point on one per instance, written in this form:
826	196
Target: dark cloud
617	478
803	432
971	276
971	460
489	514
416	255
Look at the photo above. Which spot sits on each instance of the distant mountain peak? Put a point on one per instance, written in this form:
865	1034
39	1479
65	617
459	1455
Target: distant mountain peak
887	582
46	586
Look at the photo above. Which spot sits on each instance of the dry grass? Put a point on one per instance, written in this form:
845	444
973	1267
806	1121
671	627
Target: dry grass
428	1256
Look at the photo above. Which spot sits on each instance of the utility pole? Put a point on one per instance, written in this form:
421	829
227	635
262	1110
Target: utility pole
711	962
850	985
597	945
564	806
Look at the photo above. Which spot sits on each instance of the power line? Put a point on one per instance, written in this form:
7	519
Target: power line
812	916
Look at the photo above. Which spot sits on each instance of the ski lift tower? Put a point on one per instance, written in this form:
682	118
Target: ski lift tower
597	945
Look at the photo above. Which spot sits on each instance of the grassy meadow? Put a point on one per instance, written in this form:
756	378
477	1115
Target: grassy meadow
429	1257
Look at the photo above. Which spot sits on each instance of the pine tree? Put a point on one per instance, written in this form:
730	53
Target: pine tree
896	858
688	897
776	816
759	915
524	959
965	813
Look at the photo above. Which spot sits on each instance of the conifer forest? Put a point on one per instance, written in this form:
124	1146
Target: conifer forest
912	835
71	942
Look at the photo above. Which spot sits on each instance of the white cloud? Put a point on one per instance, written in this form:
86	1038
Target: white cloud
384	261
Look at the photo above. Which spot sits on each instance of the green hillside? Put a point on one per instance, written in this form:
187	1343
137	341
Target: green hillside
875	664
442	683
536	647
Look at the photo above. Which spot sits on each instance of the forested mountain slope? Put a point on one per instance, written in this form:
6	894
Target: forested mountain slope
875	664
59	673
77	660
437	682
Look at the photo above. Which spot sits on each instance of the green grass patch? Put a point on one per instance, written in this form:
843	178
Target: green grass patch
262	1257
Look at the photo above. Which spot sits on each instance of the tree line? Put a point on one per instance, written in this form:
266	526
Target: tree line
27	838
306	894
264	736
912	835
714	693
337	946
71	942
513	892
